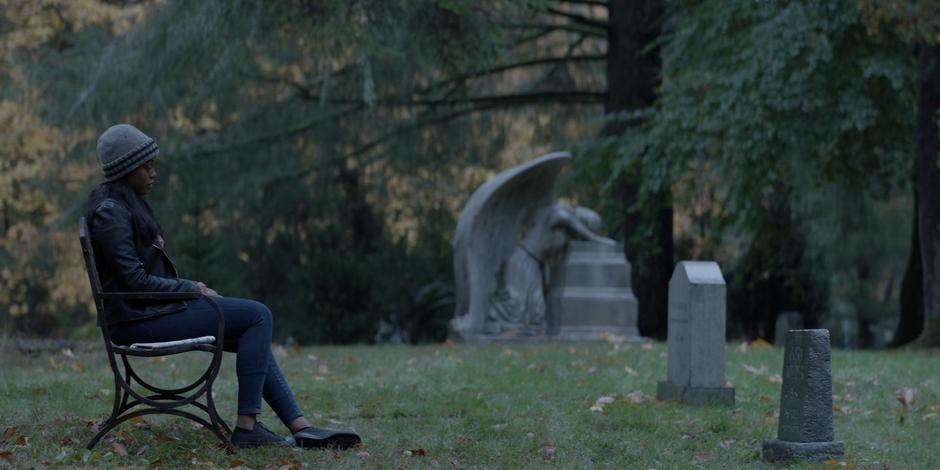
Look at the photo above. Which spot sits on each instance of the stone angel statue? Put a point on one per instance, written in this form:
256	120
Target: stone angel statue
509	230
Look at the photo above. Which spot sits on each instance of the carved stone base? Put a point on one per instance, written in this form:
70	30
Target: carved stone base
776	450
667	391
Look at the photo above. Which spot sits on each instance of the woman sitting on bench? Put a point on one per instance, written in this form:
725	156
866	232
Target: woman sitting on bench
129	244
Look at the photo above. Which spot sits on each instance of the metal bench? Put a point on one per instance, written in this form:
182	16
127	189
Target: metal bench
149	398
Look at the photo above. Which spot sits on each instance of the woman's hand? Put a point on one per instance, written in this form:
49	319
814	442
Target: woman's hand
206	290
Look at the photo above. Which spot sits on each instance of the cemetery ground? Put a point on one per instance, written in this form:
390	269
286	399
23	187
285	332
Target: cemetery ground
564	405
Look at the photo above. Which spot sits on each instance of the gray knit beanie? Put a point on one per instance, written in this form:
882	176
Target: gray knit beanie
122	148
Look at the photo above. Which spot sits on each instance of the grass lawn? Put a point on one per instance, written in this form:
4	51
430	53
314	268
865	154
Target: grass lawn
460	406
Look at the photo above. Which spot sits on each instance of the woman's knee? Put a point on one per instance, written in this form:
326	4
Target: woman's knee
262	312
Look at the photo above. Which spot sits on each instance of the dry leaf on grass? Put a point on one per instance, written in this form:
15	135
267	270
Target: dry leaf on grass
22	441
167	438
727	443
637	396
775	378
833	463
755	370
119	448
8	433
906	397
7	455
598	405
548	449
630	371
363	454
741	348
236	463
760	343
155	464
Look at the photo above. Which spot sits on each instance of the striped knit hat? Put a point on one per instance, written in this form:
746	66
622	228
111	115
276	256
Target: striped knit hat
123	148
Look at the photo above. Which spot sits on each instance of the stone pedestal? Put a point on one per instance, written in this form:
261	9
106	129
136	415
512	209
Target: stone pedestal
786	321
591	294
805	430
696	339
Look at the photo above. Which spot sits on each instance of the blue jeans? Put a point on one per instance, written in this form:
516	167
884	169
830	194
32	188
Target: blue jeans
248	329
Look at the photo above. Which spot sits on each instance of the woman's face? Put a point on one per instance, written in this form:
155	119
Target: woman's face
142	178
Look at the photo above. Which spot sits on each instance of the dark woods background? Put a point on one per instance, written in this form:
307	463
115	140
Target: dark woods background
316	154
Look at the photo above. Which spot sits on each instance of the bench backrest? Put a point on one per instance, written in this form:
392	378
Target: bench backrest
89	253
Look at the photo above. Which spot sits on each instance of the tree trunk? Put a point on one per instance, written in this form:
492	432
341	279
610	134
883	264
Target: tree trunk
632	76
928	189
911	312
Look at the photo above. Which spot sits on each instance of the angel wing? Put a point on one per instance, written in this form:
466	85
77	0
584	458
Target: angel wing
489	228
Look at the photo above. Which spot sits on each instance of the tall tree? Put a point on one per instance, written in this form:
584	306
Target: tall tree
919	23
760	104
633	69
928	186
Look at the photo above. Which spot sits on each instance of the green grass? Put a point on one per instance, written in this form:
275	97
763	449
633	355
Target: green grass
498	405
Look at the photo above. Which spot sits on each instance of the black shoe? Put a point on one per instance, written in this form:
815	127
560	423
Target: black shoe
316	438
257	437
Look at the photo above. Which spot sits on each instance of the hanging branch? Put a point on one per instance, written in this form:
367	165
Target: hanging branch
580	19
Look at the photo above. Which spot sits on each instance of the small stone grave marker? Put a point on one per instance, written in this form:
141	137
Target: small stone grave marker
805	429
696	340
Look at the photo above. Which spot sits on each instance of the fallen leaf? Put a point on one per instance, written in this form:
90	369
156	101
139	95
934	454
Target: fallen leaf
323	369
906	396
38	390
68	353
775	378
630	371
687	435
143	449
363	454
236	463
68	441
22	441
419	452
119	448
167	438
548	449
741	348
755	370
7	455
278	350
78	367
934	407
760	343
8	433
766	399
833	463
155	464
727	443
605	400
647	346
456	464
637	396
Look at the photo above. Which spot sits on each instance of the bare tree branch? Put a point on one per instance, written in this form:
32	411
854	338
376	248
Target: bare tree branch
572	27
593	3
580	19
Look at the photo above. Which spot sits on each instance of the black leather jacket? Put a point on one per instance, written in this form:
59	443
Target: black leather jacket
127	266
